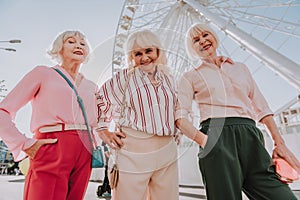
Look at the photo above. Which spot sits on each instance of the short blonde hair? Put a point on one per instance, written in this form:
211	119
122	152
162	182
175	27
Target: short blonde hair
144	39
55	51
194	31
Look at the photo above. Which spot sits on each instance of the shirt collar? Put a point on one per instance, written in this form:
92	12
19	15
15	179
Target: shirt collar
158	76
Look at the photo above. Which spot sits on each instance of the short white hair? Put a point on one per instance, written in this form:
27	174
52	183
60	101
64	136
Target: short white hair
144	38
55	51
194	31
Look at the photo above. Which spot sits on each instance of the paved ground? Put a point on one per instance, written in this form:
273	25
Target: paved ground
11	188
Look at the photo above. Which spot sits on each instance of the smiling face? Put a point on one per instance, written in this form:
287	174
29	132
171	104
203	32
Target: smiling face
204	44
143	49
201	42
145	58
74	49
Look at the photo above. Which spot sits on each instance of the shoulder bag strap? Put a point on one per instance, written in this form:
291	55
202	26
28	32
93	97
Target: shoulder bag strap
79	100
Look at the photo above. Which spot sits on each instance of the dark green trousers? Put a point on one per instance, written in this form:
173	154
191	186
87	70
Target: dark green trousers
235	160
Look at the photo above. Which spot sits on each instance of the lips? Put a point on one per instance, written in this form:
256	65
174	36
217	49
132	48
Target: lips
206	47
78	52
146	63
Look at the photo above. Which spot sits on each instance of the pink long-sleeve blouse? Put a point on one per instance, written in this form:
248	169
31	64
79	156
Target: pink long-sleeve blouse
228	91
53	102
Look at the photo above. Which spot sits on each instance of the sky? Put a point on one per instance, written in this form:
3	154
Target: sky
37	22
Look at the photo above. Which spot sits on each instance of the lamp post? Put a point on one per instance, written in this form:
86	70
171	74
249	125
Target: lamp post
8	49
9	41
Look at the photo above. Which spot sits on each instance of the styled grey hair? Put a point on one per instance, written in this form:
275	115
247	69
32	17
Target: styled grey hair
55	51
194	31
144	39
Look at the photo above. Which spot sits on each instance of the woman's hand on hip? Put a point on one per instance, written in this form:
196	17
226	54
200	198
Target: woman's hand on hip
31	151
113	139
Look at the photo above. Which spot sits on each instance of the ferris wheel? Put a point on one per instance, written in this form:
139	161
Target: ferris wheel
262	33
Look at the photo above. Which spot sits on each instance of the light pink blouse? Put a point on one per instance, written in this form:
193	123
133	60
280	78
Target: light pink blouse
229	91
53	102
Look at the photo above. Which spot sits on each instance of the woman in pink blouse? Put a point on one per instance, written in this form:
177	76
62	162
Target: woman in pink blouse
142	99
232	156
59	152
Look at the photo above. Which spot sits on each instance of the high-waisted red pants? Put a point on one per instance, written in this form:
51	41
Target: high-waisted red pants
60	171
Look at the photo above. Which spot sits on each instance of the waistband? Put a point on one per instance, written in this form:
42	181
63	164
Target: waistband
62	127
227	121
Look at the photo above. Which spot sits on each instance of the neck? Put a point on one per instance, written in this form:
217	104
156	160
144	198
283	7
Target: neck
148	69
211	59
151	74
72	69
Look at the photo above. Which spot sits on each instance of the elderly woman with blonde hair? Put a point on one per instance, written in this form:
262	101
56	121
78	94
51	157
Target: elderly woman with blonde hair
142	99
230	104
59	152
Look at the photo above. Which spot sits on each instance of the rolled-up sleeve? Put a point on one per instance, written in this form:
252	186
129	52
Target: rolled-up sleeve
258	101
109	97
185	98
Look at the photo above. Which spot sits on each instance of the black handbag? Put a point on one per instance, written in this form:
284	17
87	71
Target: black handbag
97	154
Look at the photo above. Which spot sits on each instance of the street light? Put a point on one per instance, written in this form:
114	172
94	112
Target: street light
10	41
8	49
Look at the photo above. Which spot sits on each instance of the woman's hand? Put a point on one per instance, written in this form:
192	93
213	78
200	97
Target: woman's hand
204	141
113	139
178	137
31	151
281	151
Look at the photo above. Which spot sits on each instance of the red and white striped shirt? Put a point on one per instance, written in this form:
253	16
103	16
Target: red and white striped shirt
147	108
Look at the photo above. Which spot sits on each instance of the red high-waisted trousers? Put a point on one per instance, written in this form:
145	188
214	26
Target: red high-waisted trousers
60	171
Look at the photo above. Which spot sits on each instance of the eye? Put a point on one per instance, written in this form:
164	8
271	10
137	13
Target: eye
82	43
196	39
70	40
205	34
138	53
149	50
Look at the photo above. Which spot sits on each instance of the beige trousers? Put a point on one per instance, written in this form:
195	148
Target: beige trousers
148	167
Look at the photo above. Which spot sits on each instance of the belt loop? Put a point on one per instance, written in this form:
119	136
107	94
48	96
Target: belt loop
63	127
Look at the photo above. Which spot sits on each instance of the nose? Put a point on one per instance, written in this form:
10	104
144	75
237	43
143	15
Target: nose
78	46
145	57
202	40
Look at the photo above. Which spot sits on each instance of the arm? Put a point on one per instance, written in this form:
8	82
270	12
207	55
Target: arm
191	132
109	96
280	149
265	116
20	95
184	109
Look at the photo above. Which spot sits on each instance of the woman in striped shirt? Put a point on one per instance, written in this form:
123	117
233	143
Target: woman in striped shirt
142	99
